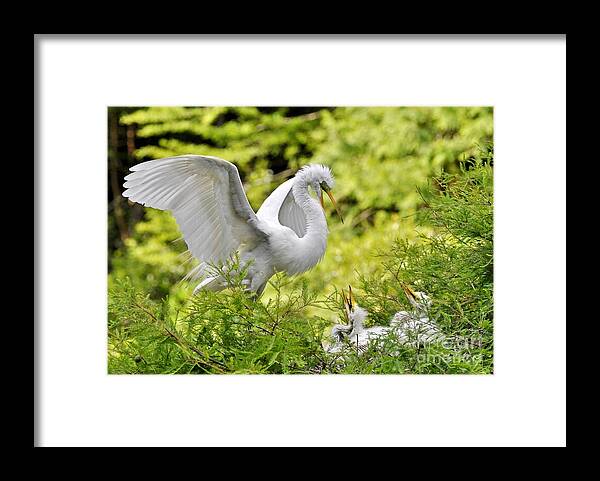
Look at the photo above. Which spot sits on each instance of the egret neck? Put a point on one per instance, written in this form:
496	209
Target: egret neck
313	244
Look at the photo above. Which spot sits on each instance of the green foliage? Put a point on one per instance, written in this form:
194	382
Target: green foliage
454	265
442	244
216	333
151	258
381	154
256	140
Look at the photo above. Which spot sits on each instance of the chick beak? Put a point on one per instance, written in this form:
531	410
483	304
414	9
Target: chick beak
337	209
347	306
409	292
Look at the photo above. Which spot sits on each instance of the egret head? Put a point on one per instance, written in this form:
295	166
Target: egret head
320	178
419	300
339	331
354	313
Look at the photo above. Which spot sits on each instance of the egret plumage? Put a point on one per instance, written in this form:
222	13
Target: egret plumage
206	196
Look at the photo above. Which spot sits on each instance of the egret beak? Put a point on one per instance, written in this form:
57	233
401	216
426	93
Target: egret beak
410	294
351	299
347	306
330	195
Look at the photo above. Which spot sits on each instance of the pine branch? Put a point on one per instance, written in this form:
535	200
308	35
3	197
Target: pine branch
204	359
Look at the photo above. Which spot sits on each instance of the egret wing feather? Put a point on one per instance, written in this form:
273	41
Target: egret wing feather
207	199
281	207
292	215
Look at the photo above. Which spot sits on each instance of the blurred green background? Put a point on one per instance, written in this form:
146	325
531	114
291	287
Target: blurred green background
380	156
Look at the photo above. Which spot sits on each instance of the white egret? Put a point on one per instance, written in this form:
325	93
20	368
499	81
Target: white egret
207	198
339	334
408	328
415	327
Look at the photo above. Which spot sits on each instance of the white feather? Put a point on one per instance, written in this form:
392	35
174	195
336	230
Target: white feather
281	207
206	197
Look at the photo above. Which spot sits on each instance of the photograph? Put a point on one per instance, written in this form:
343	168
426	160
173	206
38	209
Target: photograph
300	240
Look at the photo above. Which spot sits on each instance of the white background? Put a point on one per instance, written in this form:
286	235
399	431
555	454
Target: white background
523	403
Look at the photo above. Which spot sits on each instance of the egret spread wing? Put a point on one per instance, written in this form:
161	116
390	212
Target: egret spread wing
206	197
281	207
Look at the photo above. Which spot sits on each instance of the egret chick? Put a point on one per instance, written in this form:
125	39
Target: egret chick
415	327
339	333
354	332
